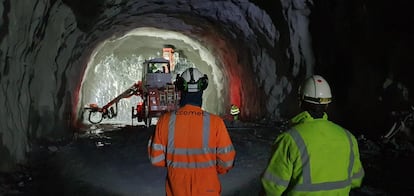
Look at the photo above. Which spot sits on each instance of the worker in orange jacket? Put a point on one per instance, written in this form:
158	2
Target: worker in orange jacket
193	144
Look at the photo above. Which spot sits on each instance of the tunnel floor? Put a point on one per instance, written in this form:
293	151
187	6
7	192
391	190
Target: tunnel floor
115	162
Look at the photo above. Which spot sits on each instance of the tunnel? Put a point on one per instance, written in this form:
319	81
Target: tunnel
59	55
106	78
207	43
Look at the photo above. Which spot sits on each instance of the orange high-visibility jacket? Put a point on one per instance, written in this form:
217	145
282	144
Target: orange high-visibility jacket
195	147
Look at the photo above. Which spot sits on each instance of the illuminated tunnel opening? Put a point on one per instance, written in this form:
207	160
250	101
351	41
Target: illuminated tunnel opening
235	51
117	63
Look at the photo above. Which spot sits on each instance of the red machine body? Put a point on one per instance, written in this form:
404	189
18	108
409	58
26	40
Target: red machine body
157	92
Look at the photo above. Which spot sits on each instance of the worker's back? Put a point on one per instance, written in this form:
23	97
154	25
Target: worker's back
198	147
329	151
315	157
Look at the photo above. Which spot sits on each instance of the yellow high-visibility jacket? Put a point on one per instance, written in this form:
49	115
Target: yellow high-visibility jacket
314	157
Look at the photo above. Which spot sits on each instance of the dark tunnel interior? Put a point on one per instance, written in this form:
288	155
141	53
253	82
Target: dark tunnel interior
58	56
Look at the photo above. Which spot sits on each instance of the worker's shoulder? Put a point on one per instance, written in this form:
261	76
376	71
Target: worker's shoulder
339	129
336	125
286	137
213	116
164	116
332	124
316	125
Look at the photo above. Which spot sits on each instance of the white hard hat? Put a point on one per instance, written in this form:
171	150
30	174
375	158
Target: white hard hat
316	90
192	80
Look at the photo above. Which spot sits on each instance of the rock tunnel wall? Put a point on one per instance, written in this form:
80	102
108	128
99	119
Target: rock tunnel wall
265	48
45	46
37	42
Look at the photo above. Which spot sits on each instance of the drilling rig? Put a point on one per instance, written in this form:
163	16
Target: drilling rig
156	90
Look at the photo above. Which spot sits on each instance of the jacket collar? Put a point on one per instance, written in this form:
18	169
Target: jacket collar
190	107
305	117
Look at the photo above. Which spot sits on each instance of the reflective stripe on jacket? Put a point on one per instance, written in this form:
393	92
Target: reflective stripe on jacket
315	157
234	110
195	146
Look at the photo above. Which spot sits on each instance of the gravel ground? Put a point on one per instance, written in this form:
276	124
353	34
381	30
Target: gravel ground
115	163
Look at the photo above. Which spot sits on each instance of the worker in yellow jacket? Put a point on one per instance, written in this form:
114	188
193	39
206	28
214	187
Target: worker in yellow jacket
193	144
316	156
